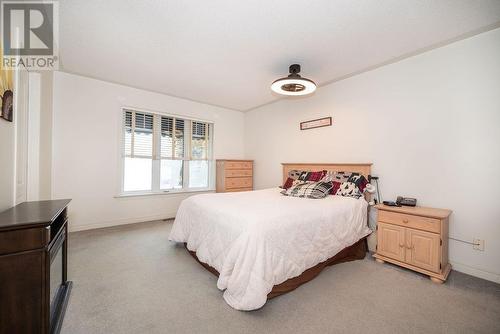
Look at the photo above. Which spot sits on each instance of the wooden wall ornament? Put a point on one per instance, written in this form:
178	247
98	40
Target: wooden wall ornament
316	123
6	91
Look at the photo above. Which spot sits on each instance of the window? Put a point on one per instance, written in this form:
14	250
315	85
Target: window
165	153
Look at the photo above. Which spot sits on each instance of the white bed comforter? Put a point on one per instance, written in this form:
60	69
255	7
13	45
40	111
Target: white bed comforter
258	239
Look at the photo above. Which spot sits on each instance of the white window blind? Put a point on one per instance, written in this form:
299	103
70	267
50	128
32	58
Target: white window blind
139	128
164	153
172	138
167	138
199	140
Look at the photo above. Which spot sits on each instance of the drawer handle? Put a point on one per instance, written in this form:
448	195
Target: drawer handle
405	221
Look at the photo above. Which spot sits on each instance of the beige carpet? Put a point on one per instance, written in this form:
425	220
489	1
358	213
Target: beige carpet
131	279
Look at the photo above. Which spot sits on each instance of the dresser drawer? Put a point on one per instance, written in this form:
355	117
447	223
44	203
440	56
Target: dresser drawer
238	182
238	165
241	189
238	172
416	222
23	240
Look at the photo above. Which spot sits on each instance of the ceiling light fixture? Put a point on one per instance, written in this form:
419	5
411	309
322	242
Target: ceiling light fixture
293	84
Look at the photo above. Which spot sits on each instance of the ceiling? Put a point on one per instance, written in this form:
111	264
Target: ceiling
227	53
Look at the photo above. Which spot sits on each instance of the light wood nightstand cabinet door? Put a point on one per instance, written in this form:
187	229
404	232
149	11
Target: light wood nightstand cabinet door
424	249
391	241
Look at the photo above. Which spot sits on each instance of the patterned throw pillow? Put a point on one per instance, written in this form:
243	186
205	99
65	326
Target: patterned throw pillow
294	173
309	190
312	176
359	180
302	176
297	182
316	176
337	176
292	183
349	189
335	187
288	183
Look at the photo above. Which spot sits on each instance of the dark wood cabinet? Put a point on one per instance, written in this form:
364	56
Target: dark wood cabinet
34	288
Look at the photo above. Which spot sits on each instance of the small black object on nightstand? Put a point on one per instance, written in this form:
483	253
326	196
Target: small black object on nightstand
390	203
406	201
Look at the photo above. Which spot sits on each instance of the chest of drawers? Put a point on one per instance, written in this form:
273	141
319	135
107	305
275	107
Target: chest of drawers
34	286
234	175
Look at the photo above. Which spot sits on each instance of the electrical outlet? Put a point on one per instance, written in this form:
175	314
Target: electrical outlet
478	244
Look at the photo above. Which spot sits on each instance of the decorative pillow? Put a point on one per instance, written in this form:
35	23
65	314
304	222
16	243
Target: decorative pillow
315	176
292	183
297	182
312	176
294	174
303	176
359	180
338	176
349	189
288	183
335	187
309	190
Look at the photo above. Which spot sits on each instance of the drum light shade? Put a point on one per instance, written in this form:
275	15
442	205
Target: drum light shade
294	84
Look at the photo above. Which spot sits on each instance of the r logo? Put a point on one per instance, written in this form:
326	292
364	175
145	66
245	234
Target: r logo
28	28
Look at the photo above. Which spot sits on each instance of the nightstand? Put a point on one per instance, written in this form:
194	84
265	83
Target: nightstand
415	238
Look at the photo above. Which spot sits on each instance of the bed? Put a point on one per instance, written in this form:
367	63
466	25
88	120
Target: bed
262	244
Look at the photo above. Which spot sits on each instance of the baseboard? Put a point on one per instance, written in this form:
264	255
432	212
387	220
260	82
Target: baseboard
463	268
117	222
466	269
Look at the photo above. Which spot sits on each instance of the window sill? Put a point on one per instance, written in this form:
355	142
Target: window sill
163	193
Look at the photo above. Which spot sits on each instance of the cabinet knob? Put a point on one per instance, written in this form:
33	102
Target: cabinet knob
405	221
401	245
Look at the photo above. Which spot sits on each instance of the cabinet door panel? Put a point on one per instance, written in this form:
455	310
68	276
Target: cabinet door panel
21	292
391	241
424	249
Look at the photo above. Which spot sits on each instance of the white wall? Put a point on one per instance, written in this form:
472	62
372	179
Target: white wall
33	138
10	146
85	152
430	125
7	163
45	146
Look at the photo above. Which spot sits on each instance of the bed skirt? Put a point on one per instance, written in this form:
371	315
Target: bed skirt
351	253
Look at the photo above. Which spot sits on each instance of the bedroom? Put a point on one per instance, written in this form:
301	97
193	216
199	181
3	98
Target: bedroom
154	110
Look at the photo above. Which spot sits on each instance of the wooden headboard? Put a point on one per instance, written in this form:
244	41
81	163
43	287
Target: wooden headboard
361	168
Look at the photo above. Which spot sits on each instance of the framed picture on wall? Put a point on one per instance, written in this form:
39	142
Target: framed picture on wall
316	123
6	93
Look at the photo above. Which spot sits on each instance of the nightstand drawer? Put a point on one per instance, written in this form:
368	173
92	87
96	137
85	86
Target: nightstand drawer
416	222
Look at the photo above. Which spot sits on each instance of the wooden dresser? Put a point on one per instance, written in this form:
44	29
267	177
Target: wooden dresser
415	238
34	289
234	175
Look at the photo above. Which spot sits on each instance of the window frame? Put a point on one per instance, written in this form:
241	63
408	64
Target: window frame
156	159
